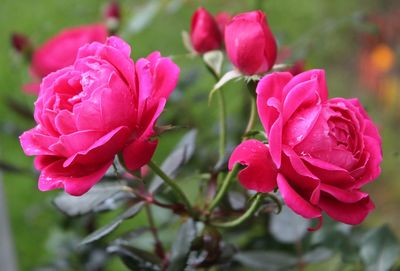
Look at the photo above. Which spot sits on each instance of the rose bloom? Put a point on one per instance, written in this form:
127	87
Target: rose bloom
250	44
61	50
321	151
88	112
205	32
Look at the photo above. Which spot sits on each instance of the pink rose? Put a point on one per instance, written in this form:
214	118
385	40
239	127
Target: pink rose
250	44
320	153
102	105
204	32
61	50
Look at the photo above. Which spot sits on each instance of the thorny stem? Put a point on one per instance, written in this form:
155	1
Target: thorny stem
249	213
171	183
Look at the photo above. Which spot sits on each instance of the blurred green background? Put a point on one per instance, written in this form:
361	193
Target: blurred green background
327	34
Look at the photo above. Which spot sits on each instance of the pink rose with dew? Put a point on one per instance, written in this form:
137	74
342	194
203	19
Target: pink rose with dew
320	153
102	105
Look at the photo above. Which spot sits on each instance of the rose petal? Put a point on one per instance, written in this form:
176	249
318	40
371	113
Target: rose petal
35	142
294	201
349	213
138	153
270	86
260	173
76	180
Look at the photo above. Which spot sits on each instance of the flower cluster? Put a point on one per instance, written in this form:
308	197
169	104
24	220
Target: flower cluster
95	103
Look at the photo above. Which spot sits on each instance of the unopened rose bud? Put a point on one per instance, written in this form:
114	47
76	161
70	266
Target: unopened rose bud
250	44
223	18
112	15
21	44
204	33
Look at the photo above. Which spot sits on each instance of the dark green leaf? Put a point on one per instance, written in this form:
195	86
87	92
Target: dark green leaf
136	259
181	247
288	227
379	249
102	197
179	156
318	255
103	231
266	260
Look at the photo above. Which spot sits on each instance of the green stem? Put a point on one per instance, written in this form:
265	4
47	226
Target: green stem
222	125
227	181
252	118
173	186
224	187
249	213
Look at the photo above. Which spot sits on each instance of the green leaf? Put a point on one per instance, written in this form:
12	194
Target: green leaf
181	247
183	151
318	255
288	227
379	249
266	260
135	258
213	60
227	77
102	197
103	231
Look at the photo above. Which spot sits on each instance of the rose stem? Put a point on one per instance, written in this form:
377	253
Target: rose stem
226	182
159	249
249	213
157	170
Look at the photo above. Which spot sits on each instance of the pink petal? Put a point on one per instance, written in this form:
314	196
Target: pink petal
35	142
260	173
343	195
76	180
349	213
294	201
70	144
270	86
103	149
312	75
138	153
275	134
328	173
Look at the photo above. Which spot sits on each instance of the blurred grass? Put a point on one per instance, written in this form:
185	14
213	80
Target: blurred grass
321	31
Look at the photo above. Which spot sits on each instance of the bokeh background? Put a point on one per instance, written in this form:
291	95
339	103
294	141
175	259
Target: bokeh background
356	42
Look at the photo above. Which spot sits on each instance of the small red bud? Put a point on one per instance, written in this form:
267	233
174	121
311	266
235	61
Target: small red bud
21	43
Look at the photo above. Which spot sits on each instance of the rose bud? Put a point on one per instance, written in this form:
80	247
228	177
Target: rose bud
223	18
21	44
112	15
250	44
61	50
204	32
102	105
321	151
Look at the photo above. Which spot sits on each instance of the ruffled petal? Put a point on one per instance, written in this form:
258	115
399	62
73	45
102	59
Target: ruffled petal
76	180
270	86
35	142
349	213
294	201
260	173
138	153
